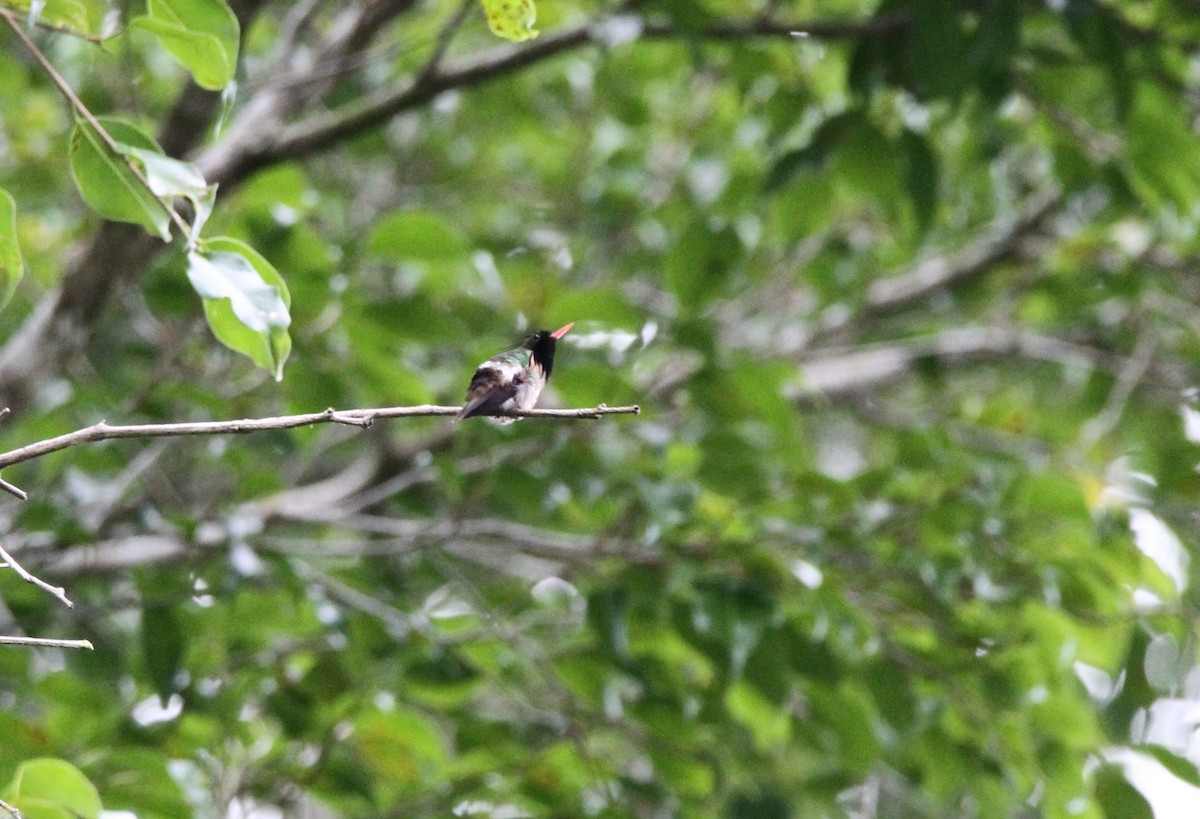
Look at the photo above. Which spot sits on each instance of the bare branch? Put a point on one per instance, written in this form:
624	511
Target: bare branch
287	92
56	591
445	36
765	27
398	623
10	810
859	369
297	20
15	491
941	272
356	417
119	554
48	642
322	131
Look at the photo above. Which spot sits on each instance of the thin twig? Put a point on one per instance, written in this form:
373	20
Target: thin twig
57	591
298	19
397	622
10	810
356	417
83	111
1131	374
15	491
839	373
444	37
48	642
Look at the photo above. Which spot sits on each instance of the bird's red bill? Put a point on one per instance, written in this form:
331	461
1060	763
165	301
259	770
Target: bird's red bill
561	331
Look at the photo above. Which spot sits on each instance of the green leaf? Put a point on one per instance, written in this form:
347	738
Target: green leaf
699	262
52	789
814	156
163	641
994	45
82	16
415	234
246	301
400	747
1179	766
1118	798
108	184
936	56
202	35
920	177
769	723
145	785
169	177
1162	153
511	19
1101	38
11	265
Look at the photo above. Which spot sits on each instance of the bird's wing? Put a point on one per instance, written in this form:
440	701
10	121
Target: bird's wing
492	385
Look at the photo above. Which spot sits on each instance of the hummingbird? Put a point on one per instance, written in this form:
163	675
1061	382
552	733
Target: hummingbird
513	379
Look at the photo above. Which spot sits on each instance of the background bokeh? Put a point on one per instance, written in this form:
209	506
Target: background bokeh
907	292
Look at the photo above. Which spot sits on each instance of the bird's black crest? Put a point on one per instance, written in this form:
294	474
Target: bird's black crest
542	347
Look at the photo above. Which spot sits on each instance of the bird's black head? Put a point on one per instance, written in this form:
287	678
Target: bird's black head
542	344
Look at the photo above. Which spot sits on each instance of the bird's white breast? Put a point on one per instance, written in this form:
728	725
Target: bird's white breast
528	389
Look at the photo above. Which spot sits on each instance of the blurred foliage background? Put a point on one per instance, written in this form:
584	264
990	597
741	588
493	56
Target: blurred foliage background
907	293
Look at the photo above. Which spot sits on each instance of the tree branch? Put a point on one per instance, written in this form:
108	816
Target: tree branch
56	591
47	642
10	810
942	272
839	374
1128	379
356	417
322	131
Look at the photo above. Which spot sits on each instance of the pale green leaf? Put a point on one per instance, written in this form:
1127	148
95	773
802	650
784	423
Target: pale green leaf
52	788
768	723
246	301
170	177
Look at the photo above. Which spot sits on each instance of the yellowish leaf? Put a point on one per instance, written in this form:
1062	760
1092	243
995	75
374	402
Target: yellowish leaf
511	19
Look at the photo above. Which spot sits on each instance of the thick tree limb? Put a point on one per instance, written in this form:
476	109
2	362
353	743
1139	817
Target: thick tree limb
841	374
118	554
356	417
998	242
325	130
